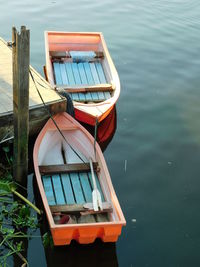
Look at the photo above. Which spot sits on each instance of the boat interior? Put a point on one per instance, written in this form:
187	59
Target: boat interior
67	180
80	66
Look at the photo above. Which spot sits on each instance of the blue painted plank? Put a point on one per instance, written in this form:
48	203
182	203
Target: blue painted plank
94	95
96	81
100	72
102	78
94	73
98	184
82	74
88	73
69	196
76	73
57	73
70	75
48	190
60	200
64	74
86	186
77	80
107	95
77	188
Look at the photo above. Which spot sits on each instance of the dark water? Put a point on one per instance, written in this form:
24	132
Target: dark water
154	156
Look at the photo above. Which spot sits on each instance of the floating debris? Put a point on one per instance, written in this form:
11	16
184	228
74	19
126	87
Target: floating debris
125	165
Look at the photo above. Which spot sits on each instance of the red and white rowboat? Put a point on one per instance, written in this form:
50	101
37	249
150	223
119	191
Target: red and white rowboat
80	64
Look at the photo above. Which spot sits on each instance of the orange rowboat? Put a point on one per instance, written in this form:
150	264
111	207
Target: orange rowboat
80	64
65	166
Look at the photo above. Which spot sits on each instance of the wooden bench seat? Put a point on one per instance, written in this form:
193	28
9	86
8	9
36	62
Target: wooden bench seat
65	168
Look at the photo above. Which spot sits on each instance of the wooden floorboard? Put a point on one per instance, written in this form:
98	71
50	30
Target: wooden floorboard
48	190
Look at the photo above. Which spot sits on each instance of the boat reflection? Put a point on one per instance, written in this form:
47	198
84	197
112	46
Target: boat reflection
97	254
106	129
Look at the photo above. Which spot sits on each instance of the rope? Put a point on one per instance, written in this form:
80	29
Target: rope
53	118
95	136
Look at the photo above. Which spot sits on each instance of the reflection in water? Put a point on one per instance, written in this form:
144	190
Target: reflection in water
106	129
95	254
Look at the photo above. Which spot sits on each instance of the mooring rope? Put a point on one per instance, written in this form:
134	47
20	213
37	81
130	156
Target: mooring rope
95	136
53	118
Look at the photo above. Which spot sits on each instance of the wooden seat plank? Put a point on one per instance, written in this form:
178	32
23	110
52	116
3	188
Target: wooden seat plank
58	78
86	186
69	196
83	208
77	188
65	168
77	80
48	190
60	199
64	74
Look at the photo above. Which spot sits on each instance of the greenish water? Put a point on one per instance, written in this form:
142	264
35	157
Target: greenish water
156	48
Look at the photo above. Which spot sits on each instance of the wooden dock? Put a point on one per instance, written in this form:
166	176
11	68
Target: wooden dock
38	114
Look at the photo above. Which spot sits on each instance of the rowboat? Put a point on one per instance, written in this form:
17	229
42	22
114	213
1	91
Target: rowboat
75	185
79	63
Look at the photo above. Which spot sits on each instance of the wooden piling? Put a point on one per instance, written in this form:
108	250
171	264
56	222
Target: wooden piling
21	59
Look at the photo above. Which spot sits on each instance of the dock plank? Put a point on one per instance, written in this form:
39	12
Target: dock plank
49	95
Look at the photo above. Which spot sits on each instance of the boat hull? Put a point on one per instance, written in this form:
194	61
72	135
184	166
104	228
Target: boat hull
84	232
86	117
86	235
92	109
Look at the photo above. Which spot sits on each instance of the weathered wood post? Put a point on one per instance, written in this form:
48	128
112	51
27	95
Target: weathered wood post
21	58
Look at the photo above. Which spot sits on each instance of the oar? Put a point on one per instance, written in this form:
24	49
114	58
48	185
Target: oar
96	197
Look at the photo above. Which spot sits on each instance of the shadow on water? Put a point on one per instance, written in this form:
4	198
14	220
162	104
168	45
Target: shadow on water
97	254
